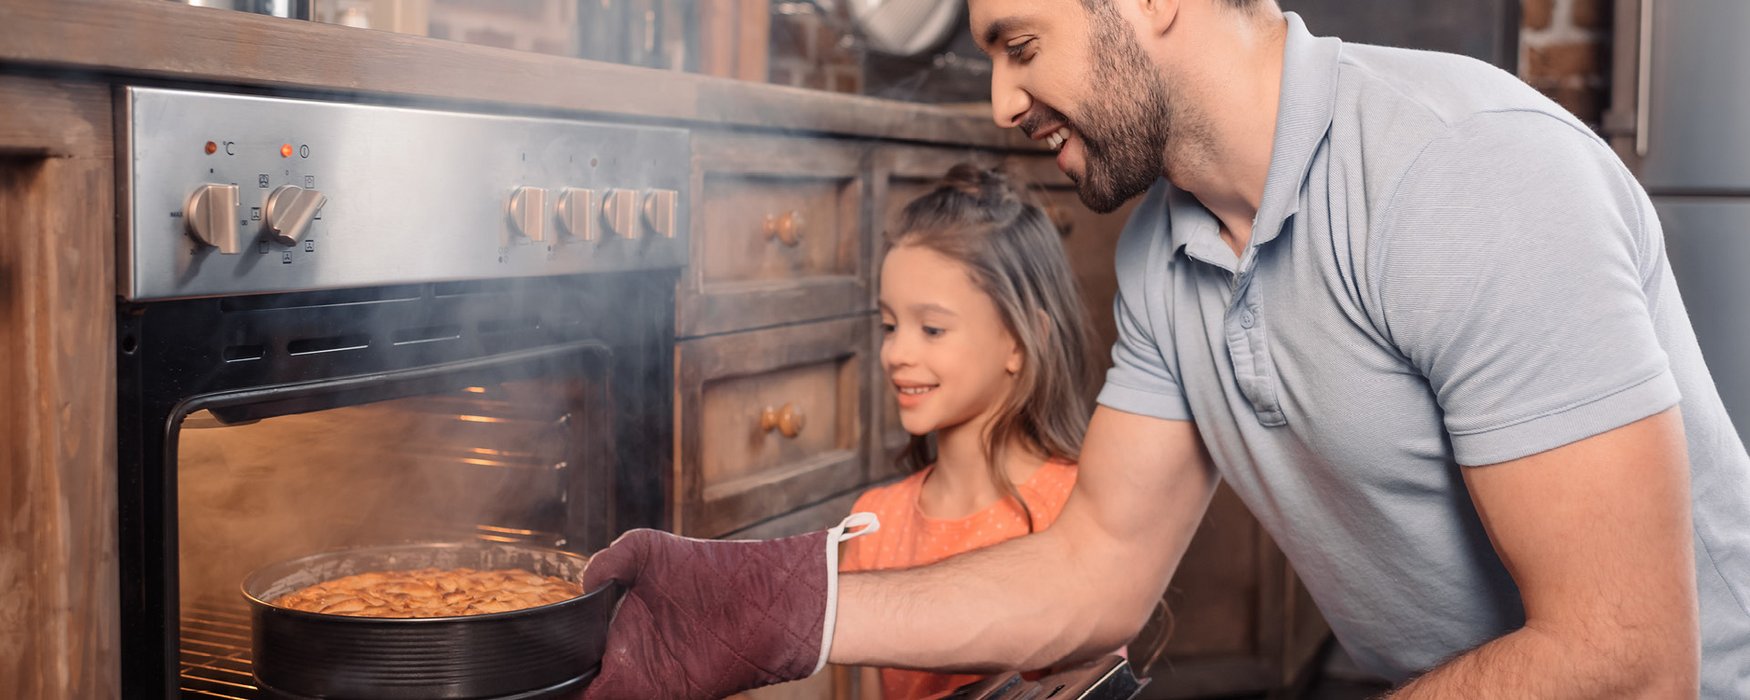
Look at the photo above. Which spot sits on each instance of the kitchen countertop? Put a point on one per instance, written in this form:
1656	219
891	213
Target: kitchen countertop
181	44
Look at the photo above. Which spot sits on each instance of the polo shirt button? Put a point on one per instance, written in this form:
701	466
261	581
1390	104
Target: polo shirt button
1246	319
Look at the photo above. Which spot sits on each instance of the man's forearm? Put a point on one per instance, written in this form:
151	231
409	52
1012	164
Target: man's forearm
982	611
1080	588
1530	663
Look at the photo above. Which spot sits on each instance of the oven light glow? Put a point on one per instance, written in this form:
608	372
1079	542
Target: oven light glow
505	530
496	538
480	419
483	462
475	390
286	151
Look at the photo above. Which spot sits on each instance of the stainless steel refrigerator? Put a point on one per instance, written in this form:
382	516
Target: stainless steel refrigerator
1680	115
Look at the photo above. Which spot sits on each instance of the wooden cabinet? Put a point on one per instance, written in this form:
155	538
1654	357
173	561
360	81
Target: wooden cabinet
57	370
778	232
770	421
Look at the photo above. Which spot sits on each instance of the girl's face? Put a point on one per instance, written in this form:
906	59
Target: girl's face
947	354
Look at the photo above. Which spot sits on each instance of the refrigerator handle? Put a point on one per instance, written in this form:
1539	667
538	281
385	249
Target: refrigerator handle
1643	82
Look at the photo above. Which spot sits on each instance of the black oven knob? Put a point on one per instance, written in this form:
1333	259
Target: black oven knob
289	211
211	215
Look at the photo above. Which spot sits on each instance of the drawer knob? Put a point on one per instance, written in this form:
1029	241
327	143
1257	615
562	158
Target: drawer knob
786	227
787	420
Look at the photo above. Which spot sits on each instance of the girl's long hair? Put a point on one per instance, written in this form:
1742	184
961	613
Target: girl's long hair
1013	252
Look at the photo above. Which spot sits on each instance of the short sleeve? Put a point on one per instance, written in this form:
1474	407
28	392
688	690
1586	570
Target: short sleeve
1143	378
1517	272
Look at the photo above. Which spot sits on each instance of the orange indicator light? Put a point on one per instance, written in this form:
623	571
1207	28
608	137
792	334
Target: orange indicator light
212	148
286	151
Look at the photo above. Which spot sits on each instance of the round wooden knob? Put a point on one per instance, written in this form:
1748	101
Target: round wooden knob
787	420
786	227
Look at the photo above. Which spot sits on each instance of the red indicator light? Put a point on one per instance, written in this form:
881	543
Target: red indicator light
212	148
286	151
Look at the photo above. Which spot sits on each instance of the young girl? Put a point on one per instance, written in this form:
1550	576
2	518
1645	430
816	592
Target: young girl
988	347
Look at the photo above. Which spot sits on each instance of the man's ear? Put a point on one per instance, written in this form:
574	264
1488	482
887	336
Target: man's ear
1157	15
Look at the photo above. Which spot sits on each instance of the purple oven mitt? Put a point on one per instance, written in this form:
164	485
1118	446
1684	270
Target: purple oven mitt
709	618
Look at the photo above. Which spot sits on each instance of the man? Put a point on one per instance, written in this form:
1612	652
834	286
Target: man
1415	314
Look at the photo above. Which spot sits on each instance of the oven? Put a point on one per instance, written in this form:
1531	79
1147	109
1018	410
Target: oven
350	325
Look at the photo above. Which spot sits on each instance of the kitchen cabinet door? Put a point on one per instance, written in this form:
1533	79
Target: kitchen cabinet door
770	421
778	232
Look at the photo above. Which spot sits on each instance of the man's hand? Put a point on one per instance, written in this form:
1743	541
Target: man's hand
704	619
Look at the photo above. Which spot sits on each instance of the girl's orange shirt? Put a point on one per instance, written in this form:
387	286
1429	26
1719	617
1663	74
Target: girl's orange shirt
909	538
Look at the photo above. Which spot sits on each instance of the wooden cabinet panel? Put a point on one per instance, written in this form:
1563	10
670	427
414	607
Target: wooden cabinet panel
58	631
770	421
779	233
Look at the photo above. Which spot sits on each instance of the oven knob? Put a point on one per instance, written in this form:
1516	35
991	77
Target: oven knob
527	209
211	215
659	209
579	210
289	211
620	208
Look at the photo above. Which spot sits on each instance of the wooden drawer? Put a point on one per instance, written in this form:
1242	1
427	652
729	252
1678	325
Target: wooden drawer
738	467
779	234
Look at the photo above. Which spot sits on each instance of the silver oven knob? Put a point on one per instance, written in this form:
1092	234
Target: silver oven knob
289	211
659	211
620	209
527	209
579	212
211	215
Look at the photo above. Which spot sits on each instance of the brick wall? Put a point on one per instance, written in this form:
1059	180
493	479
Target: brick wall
1565	53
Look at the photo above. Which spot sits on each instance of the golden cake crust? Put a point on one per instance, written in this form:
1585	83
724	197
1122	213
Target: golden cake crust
431	593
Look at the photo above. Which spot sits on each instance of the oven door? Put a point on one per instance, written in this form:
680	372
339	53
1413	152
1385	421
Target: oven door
516	448
258	430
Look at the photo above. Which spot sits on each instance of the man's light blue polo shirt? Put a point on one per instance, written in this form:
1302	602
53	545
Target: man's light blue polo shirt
1446	269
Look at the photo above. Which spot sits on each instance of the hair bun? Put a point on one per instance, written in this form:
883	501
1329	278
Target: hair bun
990	187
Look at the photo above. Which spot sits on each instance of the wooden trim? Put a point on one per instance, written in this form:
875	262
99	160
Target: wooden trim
58	636
168	40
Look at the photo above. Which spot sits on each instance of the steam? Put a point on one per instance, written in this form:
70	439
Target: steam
486	463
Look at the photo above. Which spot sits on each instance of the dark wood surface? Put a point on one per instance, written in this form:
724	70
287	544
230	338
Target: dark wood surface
167	40
58	636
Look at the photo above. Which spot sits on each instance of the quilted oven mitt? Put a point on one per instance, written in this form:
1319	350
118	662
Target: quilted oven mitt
708	618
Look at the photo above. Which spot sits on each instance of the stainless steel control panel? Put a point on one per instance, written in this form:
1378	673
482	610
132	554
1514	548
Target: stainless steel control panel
230	194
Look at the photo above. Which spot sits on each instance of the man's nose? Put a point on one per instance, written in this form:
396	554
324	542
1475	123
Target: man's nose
1008	102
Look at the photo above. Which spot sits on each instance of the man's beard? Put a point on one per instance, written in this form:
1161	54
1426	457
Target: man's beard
1124	128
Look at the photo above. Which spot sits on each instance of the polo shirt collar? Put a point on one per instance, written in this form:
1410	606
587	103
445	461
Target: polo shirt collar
1303	117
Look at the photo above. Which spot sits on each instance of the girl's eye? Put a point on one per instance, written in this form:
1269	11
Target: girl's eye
932	331
887	329
1018	49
